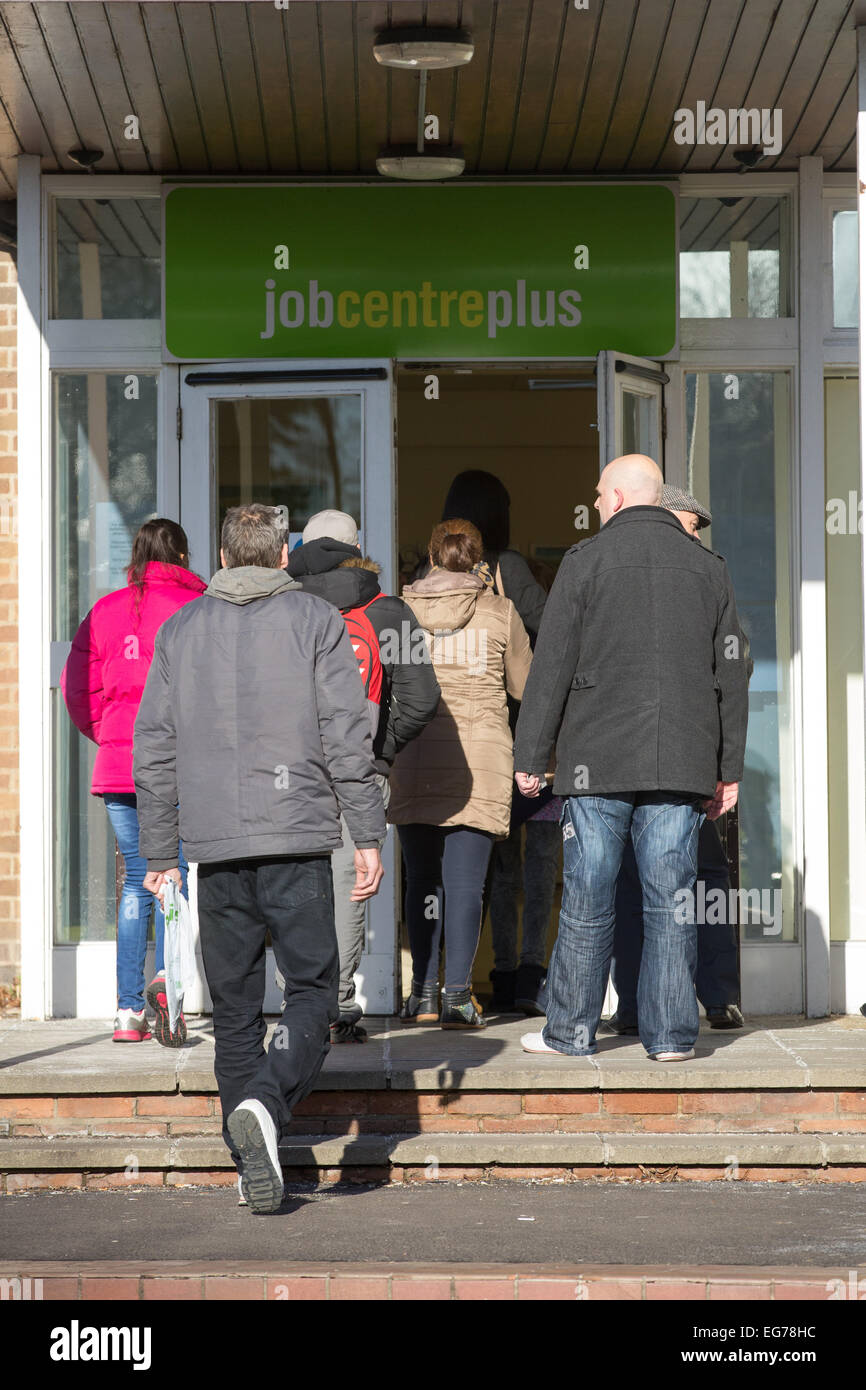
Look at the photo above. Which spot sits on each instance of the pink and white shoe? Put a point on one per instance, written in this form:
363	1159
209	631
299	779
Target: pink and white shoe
130	1026
534	1042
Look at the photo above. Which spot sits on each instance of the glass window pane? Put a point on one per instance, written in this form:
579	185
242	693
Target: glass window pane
845	275
733	258
107	258
636	410
303	452
104	488
739	463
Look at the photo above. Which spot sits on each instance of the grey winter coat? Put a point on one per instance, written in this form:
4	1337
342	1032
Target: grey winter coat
639	672
253	731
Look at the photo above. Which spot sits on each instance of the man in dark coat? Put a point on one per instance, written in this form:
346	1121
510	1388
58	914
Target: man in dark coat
330	565
639	678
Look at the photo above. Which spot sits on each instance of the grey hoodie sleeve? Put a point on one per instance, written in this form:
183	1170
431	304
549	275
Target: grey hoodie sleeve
154	768
523	589
344	727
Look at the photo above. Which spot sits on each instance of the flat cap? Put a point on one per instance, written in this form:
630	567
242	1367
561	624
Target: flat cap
675	499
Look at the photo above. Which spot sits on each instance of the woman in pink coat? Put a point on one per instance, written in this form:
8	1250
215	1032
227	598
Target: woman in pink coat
102	685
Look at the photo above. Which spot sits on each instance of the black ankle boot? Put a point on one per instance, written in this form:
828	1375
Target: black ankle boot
503	982
422	1006
460	1009
530	993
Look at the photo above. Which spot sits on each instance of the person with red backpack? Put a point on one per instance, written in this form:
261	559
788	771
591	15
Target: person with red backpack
402	691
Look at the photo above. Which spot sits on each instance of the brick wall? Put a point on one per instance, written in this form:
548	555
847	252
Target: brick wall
10	934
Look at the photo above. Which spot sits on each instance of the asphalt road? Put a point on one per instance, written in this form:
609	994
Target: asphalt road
769	1224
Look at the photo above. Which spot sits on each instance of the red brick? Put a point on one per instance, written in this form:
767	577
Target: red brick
22	1182
171	1290
297	1290
664	1289
333	1103
153	1129
96	1106
449	1174
532	1174
195	1127
591	1124
393	1103
479	1103
573	1103
100	1181
175	1105
720	1293
639	1103
453	1124
485	1290
837	1174
838	1125
519	1124
29	1107
564	1290
345	1287
109	1288
431	1290
198	1177
719	1102
246	1286
784	1292
778	1174
848	1100
680	1124
614	1290
59	1290
798	1103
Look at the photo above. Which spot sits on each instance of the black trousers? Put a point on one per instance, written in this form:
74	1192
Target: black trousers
716	981
239	901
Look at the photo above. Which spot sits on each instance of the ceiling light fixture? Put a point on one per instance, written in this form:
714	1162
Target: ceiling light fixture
85	159
415	49
405	162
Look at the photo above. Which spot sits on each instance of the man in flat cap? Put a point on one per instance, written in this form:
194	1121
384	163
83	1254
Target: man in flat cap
717	978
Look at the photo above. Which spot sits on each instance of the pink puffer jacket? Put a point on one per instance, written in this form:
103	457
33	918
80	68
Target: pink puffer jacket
104	677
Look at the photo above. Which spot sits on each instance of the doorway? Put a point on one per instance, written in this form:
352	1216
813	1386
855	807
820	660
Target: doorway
536	429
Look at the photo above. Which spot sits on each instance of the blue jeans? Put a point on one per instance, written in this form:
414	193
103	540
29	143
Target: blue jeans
716	980
664	831
136	904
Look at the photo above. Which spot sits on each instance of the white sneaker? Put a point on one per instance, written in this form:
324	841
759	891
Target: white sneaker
534	1042
672	1056
255	1137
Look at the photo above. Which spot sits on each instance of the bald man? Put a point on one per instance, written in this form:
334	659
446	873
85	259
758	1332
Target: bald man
639	679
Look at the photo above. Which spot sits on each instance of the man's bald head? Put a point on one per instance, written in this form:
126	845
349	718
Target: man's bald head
634	480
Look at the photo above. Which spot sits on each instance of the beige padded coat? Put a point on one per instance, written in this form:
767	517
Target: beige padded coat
458	771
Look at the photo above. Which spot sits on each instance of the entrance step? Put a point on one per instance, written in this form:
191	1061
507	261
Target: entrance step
783	1100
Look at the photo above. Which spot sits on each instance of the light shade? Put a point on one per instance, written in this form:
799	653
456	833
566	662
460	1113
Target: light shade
404	162
415	49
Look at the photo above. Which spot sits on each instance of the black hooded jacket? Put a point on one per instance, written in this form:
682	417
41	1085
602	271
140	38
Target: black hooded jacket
410	691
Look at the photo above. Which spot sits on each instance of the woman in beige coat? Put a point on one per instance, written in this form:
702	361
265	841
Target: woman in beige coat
451	787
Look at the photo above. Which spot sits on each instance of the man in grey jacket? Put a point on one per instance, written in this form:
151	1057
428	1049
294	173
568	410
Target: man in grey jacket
640	671
252	737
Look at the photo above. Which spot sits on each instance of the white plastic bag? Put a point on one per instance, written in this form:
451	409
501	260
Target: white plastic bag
180	971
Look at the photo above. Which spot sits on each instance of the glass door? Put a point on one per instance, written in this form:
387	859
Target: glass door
305	436
630	407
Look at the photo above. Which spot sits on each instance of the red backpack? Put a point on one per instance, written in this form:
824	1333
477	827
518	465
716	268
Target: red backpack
365	645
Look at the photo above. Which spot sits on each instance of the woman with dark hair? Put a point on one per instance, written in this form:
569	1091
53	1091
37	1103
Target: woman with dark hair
451	786
102	683
484	500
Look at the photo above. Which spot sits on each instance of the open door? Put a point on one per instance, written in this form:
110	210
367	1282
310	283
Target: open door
631	407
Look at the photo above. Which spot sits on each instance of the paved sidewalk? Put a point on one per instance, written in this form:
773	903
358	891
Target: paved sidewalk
74	1056
697	1224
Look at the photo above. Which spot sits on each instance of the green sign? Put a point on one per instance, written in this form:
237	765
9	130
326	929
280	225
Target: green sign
412	271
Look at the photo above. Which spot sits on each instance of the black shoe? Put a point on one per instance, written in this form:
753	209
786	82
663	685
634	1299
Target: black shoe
625	1030
421	1007
530	993
460	1009
729	1017
348	1030
503	982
